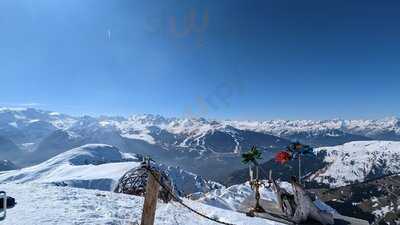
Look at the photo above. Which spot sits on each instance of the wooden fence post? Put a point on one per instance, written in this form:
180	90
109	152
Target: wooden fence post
150	199
3	202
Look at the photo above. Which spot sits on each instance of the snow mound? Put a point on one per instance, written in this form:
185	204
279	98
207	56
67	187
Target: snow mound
358	161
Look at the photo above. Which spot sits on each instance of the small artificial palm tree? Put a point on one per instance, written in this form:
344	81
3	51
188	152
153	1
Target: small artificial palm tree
251	156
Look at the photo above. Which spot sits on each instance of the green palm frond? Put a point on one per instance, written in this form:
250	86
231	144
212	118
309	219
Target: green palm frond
251	156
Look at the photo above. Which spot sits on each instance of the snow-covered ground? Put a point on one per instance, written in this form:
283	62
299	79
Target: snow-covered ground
41	204
355	161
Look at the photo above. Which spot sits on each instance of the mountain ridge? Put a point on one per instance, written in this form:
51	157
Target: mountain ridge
215	144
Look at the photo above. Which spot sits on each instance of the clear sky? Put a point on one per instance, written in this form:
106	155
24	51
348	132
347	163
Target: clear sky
217	59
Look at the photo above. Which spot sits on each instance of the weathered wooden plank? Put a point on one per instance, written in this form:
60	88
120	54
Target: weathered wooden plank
3	202
150	200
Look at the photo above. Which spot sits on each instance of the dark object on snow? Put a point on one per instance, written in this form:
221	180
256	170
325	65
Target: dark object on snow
134	182
10	203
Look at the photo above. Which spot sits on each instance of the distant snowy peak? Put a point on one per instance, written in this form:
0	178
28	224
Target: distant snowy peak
284	127
358	161
23	117
178	132
7	165
172	125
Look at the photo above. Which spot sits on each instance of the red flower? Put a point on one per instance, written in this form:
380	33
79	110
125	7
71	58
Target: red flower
283	157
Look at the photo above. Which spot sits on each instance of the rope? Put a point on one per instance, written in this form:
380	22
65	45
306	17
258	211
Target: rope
393	180
183	204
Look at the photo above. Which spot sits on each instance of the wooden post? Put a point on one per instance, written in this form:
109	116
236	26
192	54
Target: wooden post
3	201
150	199
278	192
299	168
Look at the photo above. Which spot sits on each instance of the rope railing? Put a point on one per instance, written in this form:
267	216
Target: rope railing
182	203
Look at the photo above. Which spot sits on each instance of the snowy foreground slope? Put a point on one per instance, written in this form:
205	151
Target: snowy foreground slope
40	204
97	166
358	161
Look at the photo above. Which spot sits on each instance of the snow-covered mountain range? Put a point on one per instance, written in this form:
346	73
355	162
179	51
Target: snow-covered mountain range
368	128
30	136
326	132
26	126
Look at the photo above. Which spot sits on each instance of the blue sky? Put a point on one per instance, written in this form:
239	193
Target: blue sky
215	59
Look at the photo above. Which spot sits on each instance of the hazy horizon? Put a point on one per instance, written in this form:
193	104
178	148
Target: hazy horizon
188	116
